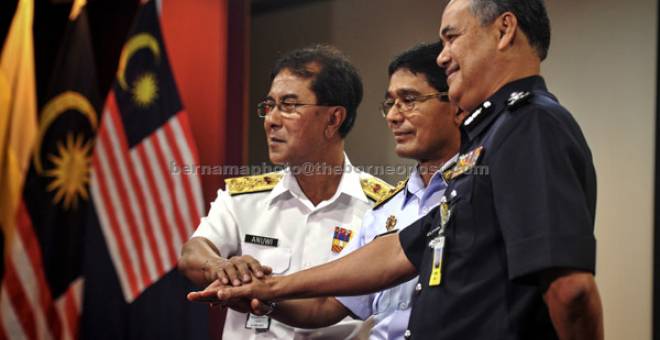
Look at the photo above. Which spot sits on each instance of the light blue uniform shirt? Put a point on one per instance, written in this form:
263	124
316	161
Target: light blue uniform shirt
391	307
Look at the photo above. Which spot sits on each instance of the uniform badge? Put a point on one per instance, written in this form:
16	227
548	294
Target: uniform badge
517	98
340	239
445	213
482	110
390	223
464	164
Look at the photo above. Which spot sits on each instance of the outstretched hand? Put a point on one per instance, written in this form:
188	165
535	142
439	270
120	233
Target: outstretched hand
210	295
260	289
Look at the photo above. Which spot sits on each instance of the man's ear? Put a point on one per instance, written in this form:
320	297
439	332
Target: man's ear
336	117
507	26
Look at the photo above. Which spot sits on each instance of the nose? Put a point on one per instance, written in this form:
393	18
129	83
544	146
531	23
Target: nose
273	120
394	117
443	58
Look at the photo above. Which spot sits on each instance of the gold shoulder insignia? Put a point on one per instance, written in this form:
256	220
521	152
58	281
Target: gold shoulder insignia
250	184
390	194
375	188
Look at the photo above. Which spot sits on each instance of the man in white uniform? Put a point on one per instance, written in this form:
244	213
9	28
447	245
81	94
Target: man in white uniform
425	128
297	218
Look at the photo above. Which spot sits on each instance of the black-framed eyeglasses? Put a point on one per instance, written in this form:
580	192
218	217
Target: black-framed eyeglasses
407	103
287	109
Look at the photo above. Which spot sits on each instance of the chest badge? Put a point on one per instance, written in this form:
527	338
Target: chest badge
340	239
390	223
465	163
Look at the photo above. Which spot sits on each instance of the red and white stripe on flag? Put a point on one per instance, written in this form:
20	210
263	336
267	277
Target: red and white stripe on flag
27	310
145	210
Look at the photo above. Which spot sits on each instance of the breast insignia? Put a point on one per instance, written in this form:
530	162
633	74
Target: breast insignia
390	223
251	184
464	164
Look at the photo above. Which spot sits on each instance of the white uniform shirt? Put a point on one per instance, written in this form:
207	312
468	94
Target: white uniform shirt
304	233
391	307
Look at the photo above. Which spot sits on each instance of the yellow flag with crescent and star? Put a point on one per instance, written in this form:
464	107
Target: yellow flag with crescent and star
18	107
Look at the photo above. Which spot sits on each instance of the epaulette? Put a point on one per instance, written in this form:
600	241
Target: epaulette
375	188
251	184
392	193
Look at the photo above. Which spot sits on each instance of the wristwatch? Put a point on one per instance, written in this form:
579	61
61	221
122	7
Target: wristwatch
271	307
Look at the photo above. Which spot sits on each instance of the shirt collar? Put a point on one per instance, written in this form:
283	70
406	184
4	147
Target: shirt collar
349	184
415	185
475	123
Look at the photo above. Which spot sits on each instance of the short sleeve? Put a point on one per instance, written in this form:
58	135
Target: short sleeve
413	238
359	305
544	191
220	226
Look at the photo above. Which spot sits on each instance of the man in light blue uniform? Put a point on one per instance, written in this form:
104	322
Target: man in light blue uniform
425	128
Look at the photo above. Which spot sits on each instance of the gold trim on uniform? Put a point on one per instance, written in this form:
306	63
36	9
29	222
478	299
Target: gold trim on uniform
250	184
391	194
375	188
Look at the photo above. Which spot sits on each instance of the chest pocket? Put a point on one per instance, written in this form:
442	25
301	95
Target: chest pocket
462	227
278	258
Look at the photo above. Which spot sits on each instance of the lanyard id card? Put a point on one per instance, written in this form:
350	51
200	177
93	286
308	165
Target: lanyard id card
437	244
258	323
438	247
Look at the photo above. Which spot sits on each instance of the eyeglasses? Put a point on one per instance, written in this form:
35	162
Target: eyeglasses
408	102
287	109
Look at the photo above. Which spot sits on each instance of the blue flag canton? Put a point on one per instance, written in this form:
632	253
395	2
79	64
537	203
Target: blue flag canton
145	88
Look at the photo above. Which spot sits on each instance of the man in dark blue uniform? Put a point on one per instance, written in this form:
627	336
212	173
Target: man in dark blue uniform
510	251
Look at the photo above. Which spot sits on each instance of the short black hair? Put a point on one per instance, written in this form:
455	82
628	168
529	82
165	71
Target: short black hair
531	14
335	79
421	59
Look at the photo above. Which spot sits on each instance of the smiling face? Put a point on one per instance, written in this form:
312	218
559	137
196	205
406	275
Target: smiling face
295	138
469	55
430	129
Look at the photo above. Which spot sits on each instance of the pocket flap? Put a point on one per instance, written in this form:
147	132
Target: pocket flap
278	258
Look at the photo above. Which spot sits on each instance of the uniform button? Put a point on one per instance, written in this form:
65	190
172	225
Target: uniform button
407	334
403	305
418	287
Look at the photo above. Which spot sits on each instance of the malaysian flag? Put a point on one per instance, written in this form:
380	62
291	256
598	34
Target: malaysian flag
42	288
142	213
145	212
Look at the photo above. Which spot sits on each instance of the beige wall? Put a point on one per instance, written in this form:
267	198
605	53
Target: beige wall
602	66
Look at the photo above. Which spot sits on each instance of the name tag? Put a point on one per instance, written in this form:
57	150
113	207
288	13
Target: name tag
261	240
260	323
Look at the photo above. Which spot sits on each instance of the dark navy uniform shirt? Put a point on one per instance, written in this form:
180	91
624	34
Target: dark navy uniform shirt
526	206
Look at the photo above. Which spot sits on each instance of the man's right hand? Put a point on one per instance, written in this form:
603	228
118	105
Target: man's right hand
239	270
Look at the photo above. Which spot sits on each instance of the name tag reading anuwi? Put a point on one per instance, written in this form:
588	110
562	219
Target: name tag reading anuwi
261	240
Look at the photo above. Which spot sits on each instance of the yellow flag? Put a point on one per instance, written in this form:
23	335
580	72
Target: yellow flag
18	113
